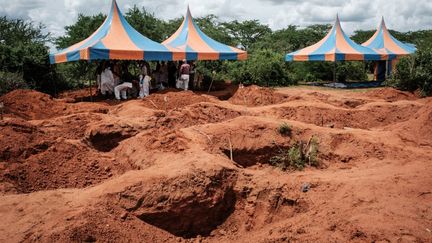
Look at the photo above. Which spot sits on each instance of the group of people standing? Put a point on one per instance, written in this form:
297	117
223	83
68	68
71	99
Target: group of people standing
115	78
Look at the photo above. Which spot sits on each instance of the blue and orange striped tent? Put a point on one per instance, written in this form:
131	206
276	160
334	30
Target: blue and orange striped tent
116	39
198	46
336	46
384	42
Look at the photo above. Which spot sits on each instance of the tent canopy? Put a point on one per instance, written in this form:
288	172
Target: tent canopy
384	42
198	46
336	46
116	39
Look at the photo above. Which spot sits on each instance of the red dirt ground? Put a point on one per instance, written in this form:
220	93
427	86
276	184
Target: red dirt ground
160	169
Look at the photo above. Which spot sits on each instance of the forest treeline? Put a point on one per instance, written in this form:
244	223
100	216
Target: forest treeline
24	49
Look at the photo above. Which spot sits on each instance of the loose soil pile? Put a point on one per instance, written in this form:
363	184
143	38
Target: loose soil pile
184	167
170	100
257	96
31	105
391	95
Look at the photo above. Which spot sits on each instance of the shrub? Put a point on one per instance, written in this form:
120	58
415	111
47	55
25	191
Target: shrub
11	81
297	156
355	71
414	73
309	77
263	67
285	129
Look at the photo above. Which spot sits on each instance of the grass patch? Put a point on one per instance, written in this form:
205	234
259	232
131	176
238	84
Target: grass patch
285	129
298	156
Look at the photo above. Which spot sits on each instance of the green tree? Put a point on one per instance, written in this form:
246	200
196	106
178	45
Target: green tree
291	38
80	30
24	54
21	42
171	26
361	36
247	32
146	23
414	72
212	27
76	72
264	67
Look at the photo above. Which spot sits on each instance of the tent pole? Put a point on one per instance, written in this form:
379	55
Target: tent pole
211	84
334	71
386	69
82	87
91	91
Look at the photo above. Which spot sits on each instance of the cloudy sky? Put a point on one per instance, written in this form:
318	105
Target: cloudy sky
402	15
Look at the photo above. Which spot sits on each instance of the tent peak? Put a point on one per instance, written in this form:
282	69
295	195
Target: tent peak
188	12
114	4
383	24
337	22
199	46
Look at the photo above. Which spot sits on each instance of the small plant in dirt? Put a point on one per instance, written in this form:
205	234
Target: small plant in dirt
285	129
312	153
298	156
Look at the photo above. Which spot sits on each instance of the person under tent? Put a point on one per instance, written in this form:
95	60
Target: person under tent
144	87
144	80
172	73
126	83
99	70
107	80
164	75
184	72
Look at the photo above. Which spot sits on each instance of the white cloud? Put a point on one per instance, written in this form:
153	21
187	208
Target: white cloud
402	15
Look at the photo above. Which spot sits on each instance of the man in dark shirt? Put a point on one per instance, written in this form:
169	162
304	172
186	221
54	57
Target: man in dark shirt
184	75
125	83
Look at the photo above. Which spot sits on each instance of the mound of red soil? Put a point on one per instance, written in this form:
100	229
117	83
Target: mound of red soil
31	105
349	103
390	94
257	96
33	160
78	95
172	100
19	139
178	165
59	165
196	114
366	118
69	127
419	128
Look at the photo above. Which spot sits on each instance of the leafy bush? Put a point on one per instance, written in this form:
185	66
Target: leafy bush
296	158
291	158
355	71
414	73
264	68
24	57
11	81
309	77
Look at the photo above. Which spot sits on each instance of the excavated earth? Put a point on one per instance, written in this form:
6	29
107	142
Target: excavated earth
184	167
